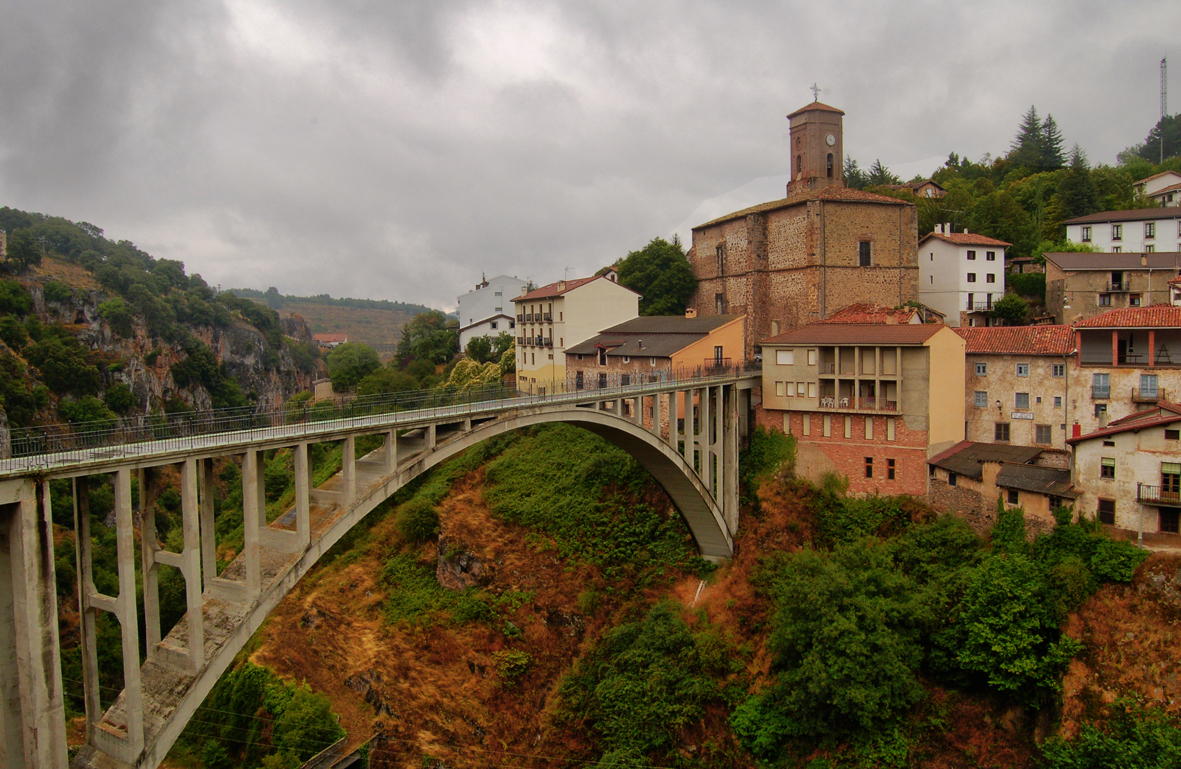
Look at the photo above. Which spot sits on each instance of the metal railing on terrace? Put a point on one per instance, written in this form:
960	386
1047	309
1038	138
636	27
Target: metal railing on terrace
1155	495
31	447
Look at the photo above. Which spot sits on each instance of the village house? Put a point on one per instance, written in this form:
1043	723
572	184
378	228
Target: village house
920	189
1129	473
330	341
561	314
1017	386
969	478
1082	285
486	310
1142	230
1128	361
791	262
868	401
1164	188
961	274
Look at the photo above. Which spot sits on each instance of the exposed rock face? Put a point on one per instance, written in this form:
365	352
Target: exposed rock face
459	568
368	685
5	441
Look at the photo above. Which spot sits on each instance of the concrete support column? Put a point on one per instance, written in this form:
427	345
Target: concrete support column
729	500
391	451
32	711
674	437
87	613
208	535
702	429
719	439
148	546
656	415
303	503
431	437
253	511
125	612
348	469
190	563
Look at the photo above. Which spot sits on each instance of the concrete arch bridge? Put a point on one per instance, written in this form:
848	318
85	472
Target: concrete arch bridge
685	433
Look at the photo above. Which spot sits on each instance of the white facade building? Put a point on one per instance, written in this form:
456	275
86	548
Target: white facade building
961	274
1144	230
1163	188
488	310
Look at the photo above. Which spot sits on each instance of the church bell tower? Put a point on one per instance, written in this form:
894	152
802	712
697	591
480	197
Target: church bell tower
817	148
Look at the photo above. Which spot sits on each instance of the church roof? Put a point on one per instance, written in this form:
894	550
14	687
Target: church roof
815	106
834	194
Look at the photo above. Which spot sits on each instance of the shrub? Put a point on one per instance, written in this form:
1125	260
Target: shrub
13	333
349	363
1030	284
64	365
1117	561
1134	736
1008	533
14	298
56	291
307	725
769	453
418	520
119	398
511	664
120	318
87	409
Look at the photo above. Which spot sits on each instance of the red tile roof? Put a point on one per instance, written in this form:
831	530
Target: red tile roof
816	105
867	312
966	239
329	338
1156	176
560	287
857	333
1156	316
834	194
1166	414
1018	340
1163	190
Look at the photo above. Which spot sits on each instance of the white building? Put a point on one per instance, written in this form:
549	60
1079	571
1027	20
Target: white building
1140	231
558	316
1164	188
961	274
488	311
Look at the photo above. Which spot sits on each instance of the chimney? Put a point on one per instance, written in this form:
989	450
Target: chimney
938	229
690	312
561	285
639	344
965	230
1143	260
1076	431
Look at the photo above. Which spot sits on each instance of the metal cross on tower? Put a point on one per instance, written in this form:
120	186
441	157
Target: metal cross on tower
815	89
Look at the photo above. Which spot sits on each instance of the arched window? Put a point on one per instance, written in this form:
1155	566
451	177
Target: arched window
830	165
799	166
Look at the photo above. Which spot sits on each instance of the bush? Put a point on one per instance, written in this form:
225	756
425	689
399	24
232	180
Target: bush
56	291
846	635
511	664
307	725
1028	284
769	453
13	333
14	298
119	398
119	317
1134	736
1117	561
349	363
418	520
64	365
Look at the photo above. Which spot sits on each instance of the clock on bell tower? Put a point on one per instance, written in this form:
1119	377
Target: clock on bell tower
817	148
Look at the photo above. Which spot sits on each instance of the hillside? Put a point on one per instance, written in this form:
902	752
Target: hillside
537	601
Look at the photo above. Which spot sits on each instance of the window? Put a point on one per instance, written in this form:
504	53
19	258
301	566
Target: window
720	304
801	389
602	380
811	357
864	258
1170	482
1001	432
625	380
981	369
627	359
890	428
889	469
811	389
785	357
828	425
1086	236
1117	232
971	256
1173	435
1057	401
1105	300
720	256
779	389
869	428
1107	468
1022	369
951	479
1101	411
1148	386
1101	385
990	256
1117	249
1107	511
971	277
1150	249
981	399
1014	497
830	169
990	278
1021	401
1043	434
494	326
1150	229
578	380
1058	370
1170	520
848	427
869	467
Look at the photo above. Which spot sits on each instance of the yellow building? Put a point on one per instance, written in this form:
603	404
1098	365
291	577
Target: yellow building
557	316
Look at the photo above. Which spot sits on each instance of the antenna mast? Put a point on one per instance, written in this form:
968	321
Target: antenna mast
1164	103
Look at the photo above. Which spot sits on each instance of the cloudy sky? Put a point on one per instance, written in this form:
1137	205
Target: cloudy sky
396	149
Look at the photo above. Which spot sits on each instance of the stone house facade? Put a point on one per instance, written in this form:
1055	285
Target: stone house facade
1017	385
1080	286
868	401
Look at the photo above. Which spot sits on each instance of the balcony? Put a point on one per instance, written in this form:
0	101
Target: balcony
1100	393
828	368
546	341
520	317
865	403
1149	394
713	364
1155	495
985	306
1121	287
548	317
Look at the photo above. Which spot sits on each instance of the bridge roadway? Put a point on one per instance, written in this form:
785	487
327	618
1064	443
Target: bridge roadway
684	432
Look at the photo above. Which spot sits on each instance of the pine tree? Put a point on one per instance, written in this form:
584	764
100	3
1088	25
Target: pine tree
1077	193
879	174
1051	141
1170	127
1027	145
854	176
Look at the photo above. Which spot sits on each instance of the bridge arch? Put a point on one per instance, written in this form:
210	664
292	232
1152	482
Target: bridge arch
238	622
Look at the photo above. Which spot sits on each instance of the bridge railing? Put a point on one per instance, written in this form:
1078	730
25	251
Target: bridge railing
78	441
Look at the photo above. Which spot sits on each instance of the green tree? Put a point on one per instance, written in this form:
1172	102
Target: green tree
661	274
854	176
429	336
1163	141
879	174
23	252
385	381
12	332
14	298
307	725
1077	193
1011	309
351	362
64	365
118	316
479	349
119	398
1051	145
1027	148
